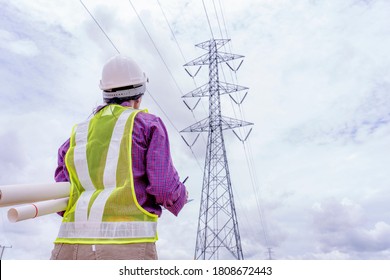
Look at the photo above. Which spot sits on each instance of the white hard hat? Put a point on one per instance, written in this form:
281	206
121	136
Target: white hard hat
122	77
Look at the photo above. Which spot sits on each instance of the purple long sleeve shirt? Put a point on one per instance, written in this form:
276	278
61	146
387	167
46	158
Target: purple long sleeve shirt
156	180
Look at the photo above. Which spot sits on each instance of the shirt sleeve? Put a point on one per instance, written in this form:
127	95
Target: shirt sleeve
164	181
61	173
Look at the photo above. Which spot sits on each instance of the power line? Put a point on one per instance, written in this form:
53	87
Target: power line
196	159
166	65
180	49
227	34
155	46
108	38
216	14
223	18
220	29
248	152
217	224
249	160
162	110
208	20
173	33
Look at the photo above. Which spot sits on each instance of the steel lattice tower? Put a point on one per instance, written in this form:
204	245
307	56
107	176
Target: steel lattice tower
218	234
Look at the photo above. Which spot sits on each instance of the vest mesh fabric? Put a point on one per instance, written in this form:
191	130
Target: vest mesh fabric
103	208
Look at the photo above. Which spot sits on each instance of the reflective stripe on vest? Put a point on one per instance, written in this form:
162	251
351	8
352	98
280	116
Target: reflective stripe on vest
103	207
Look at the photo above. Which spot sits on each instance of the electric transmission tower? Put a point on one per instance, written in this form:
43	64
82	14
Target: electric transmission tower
218	234
2	248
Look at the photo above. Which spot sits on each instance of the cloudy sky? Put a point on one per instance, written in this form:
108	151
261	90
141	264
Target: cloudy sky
312	180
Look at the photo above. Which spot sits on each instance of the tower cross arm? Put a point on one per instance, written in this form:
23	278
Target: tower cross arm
198	92
224	57
225	122
217	42
200	126
221	57
229	88
229	123
223	87
202	60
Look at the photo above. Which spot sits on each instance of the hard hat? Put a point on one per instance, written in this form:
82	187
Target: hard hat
122	77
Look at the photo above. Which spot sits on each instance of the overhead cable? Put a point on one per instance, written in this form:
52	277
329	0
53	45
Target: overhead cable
173	33
208	19
108	38
248	152
162	110
155	46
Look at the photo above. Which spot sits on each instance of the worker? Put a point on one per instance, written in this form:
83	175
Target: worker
121	174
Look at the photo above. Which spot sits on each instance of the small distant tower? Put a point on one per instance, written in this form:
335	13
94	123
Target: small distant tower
218	235
2	248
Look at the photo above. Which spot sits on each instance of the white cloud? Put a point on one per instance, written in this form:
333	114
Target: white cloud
12	43
342	227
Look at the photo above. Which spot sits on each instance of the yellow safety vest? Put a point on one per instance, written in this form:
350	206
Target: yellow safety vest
103	208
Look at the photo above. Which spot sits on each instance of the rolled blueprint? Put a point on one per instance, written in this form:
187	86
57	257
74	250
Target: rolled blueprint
21	194
33	210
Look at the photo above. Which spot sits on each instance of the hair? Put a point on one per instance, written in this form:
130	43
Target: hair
120	100
116	100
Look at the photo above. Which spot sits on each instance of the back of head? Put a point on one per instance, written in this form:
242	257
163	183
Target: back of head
122	79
